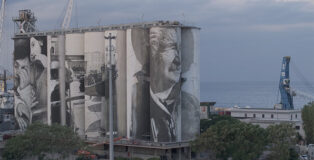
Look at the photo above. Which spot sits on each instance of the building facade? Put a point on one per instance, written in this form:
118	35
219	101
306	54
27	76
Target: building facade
156	82
268	116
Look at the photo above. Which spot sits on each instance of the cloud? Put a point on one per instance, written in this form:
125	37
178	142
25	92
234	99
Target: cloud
281	27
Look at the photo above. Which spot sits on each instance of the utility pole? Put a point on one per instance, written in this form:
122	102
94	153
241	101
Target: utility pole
109	67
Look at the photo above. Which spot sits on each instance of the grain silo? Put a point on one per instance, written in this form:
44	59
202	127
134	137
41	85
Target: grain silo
156	80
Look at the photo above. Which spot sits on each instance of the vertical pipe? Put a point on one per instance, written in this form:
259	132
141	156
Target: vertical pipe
5	81
61	53
49	46
110	101
120	84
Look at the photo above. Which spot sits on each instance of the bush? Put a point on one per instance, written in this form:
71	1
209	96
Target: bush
155	158
39	140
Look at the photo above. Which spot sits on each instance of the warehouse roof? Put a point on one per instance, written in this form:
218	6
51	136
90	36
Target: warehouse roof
105	28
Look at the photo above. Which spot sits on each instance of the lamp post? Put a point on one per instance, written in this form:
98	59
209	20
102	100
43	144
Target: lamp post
109	67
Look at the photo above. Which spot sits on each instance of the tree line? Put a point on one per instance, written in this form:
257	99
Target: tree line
226	137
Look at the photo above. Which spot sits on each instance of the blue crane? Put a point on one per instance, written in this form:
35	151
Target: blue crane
284	85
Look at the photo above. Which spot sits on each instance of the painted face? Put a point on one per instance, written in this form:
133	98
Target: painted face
35	48
164	50
22	69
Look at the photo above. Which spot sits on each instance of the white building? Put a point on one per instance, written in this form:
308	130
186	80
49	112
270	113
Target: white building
268	116
311	151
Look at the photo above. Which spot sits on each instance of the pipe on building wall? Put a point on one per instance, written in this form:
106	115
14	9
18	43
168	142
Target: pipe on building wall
61	55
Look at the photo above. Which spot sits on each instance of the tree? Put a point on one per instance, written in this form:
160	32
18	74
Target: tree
308	121
40	140
281	139
213	119
235	139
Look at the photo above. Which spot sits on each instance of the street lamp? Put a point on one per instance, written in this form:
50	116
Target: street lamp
110	64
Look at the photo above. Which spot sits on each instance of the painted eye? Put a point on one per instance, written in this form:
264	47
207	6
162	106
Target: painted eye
33	44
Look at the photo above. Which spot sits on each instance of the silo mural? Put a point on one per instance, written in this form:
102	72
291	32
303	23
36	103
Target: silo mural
94	83
75	65
30	67
190	84
119	91
138	83
165	86
52	77
156	81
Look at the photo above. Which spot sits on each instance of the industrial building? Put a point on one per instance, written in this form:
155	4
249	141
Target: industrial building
155	87
265	117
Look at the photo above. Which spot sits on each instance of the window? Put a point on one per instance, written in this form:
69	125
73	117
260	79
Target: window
245	115
52	50
272	116
297	127
263	116
254	116
296	116
291	116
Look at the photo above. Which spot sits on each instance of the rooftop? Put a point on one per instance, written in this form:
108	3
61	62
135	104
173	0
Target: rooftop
105	28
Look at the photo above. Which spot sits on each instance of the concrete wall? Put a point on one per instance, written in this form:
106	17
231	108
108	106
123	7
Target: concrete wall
156	85
30	69
190	83
120	82
279	116
138	83
95	110
75	67
165	84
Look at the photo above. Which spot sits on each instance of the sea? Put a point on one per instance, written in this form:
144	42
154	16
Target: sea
251	94
248	94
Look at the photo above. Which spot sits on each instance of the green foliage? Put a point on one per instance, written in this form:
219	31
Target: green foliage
281	138
40	139
232	138
83	158
155	158
227	137
121	158
213	119
293	154
308	121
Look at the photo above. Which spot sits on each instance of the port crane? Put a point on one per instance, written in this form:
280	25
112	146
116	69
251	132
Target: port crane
284	85
68	15
285	89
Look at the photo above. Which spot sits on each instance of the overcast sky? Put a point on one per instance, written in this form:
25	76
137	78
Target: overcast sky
241	40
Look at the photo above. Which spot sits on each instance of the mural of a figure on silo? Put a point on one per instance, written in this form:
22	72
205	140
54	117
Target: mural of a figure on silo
53	82
76	66
138	81
165	86
30	66
94	55
76	99
190	84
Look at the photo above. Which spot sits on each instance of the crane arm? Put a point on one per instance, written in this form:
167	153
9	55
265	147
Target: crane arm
295	92
68	15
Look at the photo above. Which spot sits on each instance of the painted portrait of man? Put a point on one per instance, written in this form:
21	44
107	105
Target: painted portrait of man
165	71
30	61
140	87
190	110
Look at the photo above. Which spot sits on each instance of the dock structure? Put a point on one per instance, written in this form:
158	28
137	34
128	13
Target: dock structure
155	88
